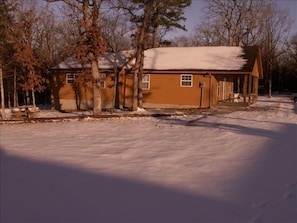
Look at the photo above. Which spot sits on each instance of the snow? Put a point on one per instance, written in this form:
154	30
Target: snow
237	167
194	58
173	58
106	61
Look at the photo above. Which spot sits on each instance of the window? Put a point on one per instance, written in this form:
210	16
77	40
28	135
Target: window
70	78
219	88
186	80
145	81
102	80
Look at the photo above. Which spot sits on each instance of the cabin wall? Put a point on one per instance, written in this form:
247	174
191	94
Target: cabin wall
78	96
256	70
224	87
125	90
166	91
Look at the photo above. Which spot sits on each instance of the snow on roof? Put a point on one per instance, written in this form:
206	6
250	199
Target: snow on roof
70	63
173	58
106	61
195	58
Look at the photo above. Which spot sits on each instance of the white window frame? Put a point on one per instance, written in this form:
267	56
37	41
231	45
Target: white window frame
70	78
102	80
186	80
146	81
219	89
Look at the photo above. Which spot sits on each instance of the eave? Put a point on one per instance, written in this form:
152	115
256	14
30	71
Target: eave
203	72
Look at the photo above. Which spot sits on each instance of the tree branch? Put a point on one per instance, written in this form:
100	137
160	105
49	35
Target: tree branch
68	2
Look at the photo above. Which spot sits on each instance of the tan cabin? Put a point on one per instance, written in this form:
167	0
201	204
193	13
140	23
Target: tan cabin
173	77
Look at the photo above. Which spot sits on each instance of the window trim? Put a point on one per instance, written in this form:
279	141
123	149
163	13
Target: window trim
70	80
219	89
146	81
186	81
102	80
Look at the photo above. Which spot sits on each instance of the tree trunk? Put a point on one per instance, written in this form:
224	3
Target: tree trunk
139	54
270	85
86	96
135	83
155	37
115	100
33	99
15	96
27	97
140	94
97	107
2	94
90	25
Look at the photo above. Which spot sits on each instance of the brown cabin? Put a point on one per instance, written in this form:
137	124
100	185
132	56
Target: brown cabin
173	77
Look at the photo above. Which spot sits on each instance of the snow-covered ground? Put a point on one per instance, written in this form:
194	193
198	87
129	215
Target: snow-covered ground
239	167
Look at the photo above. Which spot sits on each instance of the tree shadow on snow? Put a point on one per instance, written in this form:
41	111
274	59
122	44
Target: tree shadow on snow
265	191
211	122
270	181
34	192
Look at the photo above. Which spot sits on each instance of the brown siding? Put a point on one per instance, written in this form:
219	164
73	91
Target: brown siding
67	97
126	90
166	89
224	87
256	70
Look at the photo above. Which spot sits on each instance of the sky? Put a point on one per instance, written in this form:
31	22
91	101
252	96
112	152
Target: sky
238	167
194	14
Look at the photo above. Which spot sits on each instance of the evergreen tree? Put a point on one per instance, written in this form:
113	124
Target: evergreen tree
148	16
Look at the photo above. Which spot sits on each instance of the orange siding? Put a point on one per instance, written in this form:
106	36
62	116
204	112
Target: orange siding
224	88
256	70
166	90
67	97
126	90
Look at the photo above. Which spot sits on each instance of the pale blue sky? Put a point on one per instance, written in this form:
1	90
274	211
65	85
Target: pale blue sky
194	14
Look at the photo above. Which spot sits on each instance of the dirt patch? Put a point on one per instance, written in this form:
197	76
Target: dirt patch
229	107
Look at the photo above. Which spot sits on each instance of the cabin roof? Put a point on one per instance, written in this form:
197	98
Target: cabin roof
194	58
206	58
106	61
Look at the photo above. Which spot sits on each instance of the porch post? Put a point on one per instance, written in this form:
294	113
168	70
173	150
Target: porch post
256	86
124	90
210	89
250	87
245	83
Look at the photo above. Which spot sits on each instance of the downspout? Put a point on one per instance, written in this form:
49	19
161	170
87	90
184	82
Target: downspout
209	94
224	89
124	90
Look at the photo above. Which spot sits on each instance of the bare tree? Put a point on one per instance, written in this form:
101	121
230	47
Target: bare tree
277	25
231	23
91	44
246	22
291	54
117	32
